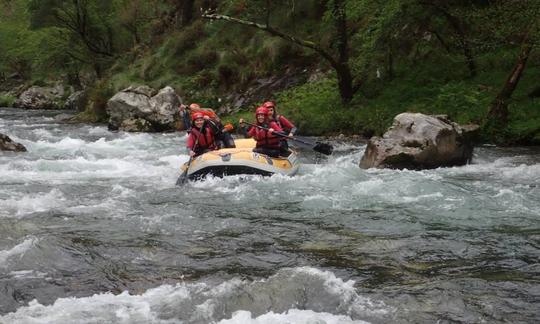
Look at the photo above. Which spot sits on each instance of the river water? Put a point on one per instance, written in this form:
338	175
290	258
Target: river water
93	230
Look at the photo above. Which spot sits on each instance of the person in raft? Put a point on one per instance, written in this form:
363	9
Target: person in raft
201	138
283	122
223	136
268	142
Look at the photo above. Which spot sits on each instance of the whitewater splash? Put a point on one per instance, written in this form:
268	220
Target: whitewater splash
93	229
16	251
299	295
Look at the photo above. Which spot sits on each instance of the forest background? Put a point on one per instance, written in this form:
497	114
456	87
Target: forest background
333	66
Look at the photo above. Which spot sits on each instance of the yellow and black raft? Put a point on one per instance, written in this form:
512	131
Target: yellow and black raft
239	160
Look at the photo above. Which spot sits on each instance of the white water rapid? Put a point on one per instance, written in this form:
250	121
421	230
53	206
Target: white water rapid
94	230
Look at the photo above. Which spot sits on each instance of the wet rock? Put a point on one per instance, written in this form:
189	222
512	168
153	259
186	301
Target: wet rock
262	89
65	118
6	144
135	125
41	98
77	101
141	109
417	141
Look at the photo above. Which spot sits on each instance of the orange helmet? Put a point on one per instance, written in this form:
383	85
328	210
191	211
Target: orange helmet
269	104
195	106
262	111
197	115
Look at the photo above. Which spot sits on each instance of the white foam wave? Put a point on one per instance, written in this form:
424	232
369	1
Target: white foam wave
28	274
31	203
81	168
66	143
291	316
222	303
18	250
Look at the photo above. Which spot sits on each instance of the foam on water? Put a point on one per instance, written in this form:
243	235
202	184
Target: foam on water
233	301
28	274
335	182
123	223
17	251
295	316
20	206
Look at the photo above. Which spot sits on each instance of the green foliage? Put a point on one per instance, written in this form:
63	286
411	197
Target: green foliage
6	100
95	111
179	42
407	54
461	101
316	107
524	124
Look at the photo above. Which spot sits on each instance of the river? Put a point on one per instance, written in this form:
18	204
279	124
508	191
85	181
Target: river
94	230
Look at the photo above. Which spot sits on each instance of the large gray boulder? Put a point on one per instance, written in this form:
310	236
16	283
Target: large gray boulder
41	98
417	141
141	109
6	144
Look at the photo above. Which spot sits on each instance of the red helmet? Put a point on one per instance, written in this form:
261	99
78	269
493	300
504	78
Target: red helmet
195	106
197	115
261	111
269	104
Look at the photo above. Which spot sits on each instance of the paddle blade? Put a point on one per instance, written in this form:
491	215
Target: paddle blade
182	179
323	148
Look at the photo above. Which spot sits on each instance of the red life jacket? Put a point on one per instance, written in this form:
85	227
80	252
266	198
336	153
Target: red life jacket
263	138
205	141
284	123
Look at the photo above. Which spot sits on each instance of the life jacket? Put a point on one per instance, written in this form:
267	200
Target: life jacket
264	138
284	123
205	139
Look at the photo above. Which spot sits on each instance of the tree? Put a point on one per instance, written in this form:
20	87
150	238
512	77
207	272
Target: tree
135	16
523	33
88	24
451	12
338	58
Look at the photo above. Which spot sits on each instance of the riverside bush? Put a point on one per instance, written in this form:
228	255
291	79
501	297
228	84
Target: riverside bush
7	100
95	111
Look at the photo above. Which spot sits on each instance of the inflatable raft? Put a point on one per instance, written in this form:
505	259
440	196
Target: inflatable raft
240	160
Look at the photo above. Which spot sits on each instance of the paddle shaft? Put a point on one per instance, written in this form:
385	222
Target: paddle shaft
323	148
182	178
281	134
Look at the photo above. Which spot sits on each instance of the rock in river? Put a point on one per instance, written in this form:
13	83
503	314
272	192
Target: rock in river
417	141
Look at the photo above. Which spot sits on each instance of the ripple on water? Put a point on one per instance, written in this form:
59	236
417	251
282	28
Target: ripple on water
303	295
457	244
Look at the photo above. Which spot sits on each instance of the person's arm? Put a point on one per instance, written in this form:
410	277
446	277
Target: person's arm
274	128
246	131
190	145
186	119
251	132
215	128
287	125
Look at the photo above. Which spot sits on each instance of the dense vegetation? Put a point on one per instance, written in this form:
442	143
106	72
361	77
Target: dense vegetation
332	65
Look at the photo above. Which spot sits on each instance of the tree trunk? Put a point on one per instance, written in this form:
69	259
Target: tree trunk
187	12
341	65
345	79
390	64
459	29
498	113
97	69
345	83
471	64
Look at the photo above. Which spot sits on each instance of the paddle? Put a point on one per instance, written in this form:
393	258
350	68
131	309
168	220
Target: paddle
184	177
320	147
